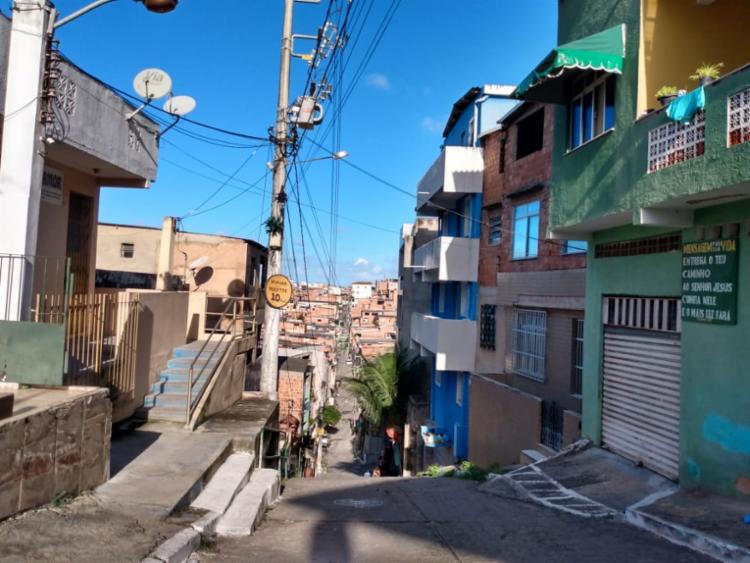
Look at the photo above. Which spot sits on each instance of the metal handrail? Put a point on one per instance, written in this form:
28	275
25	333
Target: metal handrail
233	302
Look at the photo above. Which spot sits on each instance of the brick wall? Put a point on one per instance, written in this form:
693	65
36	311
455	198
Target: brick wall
522	181
291	393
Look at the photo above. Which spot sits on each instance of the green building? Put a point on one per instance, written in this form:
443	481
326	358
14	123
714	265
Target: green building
665	205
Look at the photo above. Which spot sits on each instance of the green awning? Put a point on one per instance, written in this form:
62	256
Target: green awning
602	51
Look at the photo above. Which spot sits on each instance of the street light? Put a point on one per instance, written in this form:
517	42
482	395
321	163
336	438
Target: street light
338	155
157	6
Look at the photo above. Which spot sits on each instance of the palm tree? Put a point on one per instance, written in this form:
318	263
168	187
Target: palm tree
384	385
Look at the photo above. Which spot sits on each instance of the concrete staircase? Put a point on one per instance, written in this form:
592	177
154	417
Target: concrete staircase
232	503
168	397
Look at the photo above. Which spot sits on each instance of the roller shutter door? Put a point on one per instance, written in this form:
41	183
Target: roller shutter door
641	397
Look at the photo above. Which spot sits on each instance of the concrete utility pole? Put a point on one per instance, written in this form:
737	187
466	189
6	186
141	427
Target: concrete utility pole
272	319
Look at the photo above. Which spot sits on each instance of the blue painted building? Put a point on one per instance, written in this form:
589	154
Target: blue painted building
451	190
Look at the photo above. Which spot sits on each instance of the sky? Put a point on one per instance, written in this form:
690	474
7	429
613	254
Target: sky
225	54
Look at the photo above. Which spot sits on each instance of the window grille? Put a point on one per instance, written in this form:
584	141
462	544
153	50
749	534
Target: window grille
576	380
460	389
662	314
672	143
487	327
738	126
529	342
552	425
650	245
127	250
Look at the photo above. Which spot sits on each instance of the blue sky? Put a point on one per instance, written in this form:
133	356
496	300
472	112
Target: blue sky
225	54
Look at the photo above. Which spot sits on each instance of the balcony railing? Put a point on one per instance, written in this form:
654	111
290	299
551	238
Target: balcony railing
456	172
738	126
452	341
673	142
448	259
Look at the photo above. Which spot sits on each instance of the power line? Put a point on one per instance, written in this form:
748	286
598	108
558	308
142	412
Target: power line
440	207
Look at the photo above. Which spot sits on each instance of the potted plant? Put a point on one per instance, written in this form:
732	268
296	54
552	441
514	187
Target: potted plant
666	94
707	73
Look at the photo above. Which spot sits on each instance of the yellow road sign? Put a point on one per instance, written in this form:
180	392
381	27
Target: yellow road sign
278	291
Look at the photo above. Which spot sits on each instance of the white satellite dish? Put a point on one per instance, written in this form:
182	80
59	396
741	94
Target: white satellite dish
179	105
152	84
198	262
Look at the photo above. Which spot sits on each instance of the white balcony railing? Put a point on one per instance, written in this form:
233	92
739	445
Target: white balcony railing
456	172
452	341
448	259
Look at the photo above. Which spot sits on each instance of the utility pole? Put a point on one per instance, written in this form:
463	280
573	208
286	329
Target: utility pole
272	319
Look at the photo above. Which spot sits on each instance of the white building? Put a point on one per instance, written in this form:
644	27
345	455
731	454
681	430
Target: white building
361	290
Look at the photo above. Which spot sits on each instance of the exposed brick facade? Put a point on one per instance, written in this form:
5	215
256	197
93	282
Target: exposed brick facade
516	182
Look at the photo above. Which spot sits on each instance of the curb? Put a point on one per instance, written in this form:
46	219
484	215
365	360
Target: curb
688	537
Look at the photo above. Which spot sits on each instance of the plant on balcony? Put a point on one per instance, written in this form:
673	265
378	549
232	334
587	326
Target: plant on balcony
707	73
666	94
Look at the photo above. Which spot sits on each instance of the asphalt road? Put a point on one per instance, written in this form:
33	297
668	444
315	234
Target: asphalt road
344	517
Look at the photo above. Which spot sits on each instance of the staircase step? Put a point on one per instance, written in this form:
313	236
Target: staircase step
176	386
169	414
168	399
228	480
190	351
185	363
248	507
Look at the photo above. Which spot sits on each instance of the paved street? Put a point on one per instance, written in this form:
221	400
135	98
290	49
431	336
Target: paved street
345	517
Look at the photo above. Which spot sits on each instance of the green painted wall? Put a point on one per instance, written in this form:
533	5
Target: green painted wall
608	175
715	389
649	275
715	422
32	353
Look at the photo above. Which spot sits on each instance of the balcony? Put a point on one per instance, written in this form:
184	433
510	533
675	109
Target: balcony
456	172
452	341
658	172
453	259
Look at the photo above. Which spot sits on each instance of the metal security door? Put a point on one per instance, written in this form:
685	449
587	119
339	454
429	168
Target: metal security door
641	386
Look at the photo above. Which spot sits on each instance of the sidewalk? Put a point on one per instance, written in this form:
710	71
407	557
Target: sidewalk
157	469
595	483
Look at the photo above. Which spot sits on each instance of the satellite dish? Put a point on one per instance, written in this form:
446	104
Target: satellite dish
198	262
179	105
152	84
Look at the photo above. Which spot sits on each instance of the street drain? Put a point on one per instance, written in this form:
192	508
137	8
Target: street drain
359	502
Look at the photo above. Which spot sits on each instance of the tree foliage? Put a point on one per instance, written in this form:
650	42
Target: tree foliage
384	385
330	415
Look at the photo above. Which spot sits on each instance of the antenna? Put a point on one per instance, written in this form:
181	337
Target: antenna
180	105
198	263
150	84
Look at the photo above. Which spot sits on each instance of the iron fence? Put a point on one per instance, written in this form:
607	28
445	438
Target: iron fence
552	425
46	278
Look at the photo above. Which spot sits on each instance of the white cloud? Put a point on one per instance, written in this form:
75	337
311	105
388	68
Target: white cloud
361	262
431	125
379	81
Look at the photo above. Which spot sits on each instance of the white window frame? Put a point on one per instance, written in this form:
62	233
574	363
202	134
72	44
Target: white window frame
530	343
600	101
529	235
460	389
495	227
